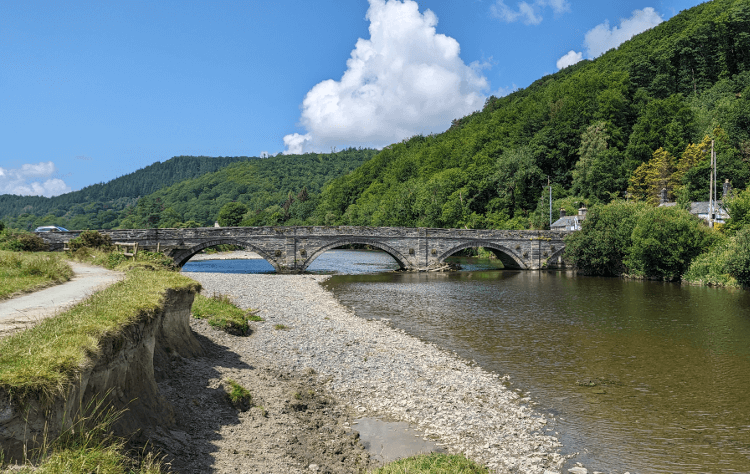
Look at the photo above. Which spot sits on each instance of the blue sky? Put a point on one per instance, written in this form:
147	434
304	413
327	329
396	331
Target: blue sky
90	91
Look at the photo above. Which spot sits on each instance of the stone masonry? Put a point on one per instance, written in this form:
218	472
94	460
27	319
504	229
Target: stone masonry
292	249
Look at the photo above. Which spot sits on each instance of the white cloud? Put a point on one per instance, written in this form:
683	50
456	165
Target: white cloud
404	80
529	13
569	59
602	38
22	180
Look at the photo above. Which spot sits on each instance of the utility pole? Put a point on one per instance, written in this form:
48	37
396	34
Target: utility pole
550	202
712	187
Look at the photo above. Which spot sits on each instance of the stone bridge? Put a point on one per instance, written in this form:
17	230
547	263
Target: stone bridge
293	249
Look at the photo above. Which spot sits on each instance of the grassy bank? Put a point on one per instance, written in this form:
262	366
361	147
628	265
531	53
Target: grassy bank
43	359
23	272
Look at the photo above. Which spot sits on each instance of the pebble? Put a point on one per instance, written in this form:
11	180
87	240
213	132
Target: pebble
383	372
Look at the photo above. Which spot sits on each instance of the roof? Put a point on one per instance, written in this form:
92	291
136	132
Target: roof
567	221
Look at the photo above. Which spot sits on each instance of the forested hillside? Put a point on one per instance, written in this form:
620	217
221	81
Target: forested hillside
621	123
279	189
283	189
97	206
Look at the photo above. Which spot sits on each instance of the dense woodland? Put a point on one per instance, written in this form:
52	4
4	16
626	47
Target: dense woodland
638	119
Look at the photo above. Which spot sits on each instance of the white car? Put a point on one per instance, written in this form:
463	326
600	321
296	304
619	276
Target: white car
51	228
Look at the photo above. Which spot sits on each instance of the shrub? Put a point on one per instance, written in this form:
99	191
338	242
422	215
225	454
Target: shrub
710	268
24	242
738	263
601	246
664	242
91	239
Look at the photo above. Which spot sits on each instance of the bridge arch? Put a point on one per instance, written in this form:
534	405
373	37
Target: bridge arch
506	255
397	256
181	257
553	257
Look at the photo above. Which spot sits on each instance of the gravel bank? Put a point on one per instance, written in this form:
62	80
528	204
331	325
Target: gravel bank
385	373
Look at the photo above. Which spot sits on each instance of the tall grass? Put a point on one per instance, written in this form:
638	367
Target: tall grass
88	446
25	272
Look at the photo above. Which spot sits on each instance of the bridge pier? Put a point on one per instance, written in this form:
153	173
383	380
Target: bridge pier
293	249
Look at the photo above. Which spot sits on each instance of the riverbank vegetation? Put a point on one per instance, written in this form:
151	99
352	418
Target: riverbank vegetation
666	243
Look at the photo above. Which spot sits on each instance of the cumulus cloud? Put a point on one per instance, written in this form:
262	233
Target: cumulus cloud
28	180
529	13
404	80
602	38
569	59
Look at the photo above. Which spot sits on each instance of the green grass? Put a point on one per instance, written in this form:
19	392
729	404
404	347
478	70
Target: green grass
88	446
222	314
281	327
22	272
433	463
44	358
238	394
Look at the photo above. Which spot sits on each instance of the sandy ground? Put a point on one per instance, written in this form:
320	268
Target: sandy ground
24	311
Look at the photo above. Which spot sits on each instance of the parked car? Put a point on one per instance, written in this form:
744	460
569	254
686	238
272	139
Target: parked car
51	228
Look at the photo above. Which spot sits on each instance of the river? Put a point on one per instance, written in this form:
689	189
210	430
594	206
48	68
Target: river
639	376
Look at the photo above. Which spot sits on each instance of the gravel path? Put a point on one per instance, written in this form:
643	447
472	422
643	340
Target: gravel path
24	311
383	372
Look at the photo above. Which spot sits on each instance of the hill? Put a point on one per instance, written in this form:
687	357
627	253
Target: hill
588	128
277	189
282	189
75	209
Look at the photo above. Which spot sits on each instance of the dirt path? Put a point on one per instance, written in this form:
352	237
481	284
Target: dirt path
24	311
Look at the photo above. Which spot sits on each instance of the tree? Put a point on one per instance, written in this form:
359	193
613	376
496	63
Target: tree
597	172
600	247
664	242
651	177
231	214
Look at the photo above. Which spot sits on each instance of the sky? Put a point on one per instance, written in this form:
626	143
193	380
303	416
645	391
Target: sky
93	90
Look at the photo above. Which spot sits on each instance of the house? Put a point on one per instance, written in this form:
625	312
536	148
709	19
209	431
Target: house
701	208
569	223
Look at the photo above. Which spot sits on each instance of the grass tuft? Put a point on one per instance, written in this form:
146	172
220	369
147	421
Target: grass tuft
239	396
26	272
88	446
45	358
281	327
222	314
433	463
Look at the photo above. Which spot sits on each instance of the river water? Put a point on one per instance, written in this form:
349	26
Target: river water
639	376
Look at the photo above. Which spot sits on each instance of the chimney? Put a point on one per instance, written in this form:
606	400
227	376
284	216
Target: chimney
582	213
727	189
663	197
562	212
